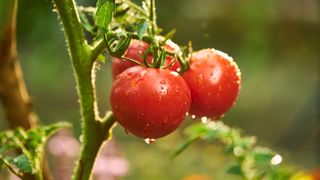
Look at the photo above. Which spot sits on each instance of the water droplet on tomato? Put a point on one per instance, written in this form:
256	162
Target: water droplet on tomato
143	73
200	79
165	121
238	73
163	89
127	93
163	82
193	116
149	140
215	75
127	131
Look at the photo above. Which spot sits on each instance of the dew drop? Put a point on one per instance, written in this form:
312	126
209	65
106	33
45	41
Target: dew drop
127	131
238	73
149	140
193	116
215	75
163	82
200	79
277	159
187	113
143	73
163	89
127	93
204	119
165	121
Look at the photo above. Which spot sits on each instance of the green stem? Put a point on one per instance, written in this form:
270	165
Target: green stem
136	7
94	131
153	17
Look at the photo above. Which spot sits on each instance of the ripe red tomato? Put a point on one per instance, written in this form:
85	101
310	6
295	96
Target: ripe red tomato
136	50
150	103
214	82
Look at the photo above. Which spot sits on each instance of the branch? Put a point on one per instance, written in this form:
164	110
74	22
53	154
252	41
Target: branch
13	93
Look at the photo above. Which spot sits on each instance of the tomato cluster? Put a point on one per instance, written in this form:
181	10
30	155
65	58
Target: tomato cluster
151	103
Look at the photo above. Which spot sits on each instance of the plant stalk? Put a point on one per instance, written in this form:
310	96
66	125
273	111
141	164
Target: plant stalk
94	131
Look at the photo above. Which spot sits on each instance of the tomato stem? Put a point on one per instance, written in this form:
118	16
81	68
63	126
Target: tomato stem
82	57
152	16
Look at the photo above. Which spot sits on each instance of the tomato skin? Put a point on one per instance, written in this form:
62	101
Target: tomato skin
150	103
214	82
135	51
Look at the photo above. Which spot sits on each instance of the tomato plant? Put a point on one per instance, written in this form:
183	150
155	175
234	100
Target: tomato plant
149	98
148	102
137	50
214	82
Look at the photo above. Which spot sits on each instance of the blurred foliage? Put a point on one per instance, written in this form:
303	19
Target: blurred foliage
22	151
275	43
251	161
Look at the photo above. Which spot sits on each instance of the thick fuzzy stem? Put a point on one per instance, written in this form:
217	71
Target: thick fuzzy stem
94	131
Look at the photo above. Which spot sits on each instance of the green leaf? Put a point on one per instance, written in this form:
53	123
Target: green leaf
51	129
262	155
197	129
86	23
246	142
22	163
142	27
30	143
105	8
235	169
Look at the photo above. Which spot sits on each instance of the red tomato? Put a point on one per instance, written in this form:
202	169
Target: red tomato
214	82
136	50
150	103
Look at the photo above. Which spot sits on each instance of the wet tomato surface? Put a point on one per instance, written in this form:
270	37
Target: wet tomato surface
150	103
214	82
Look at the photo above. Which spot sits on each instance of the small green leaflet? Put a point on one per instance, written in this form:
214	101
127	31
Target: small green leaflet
104	14
23	163
29	145
263	155
142	27
235	169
